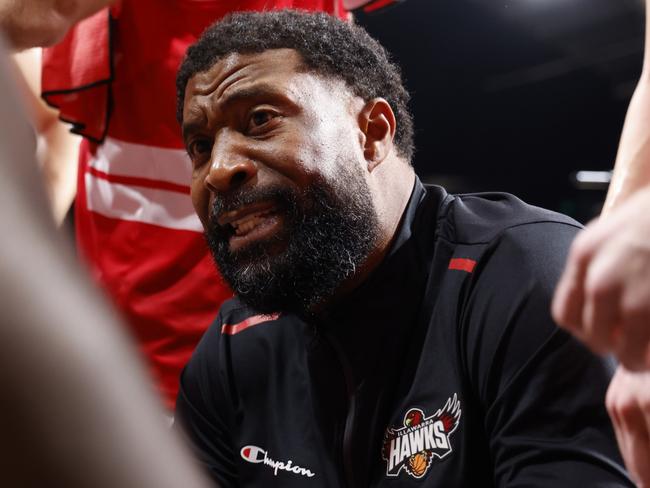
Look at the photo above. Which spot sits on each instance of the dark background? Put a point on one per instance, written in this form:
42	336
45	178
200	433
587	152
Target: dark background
516	95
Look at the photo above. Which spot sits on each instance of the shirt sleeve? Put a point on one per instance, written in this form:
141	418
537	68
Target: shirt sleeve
542	392
200	410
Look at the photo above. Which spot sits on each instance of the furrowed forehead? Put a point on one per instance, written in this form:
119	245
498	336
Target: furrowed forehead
208	78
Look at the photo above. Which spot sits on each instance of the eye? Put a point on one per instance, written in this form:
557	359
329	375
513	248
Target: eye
259	118
199	148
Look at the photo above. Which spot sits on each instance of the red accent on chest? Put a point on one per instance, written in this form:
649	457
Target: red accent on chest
462	264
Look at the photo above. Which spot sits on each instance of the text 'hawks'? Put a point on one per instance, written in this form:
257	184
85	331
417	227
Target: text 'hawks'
412	447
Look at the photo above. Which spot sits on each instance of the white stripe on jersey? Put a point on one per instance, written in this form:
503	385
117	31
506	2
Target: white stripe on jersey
164	208
116	157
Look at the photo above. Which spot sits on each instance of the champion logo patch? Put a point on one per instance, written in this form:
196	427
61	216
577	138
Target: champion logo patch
257	455
412	448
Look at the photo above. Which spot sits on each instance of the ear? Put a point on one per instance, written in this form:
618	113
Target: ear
377	122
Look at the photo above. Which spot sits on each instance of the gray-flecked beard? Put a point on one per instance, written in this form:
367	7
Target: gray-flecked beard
329	231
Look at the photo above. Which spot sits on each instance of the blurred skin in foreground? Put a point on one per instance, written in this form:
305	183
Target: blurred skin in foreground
30	23
57	148
77	407
35	23
604	294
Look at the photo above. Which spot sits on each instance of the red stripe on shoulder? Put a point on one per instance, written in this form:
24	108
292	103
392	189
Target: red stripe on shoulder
462	264
232	329
372	6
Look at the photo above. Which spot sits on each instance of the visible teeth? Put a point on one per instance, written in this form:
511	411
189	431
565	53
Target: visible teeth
248	223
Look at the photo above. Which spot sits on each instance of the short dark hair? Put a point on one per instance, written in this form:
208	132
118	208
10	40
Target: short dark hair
328	46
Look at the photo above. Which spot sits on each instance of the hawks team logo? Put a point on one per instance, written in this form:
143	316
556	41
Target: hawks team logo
412	448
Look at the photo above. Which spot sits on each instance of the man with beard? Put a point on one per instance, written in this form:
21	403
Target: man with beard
383	333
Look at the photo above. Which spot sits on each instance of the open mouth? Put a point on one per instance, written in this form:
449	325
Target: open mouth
251	224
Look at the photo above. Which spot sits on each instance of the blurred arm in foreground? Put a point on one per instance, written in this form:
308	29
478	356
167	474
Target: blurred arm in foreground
604	294
29	23
58	148
77	408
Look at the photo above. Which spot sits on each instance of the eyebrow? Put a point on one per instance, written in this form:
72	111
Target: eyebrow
249	93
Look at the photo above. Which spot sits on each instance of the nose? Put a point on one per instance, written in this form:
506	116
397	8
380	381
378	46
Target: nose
229	165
